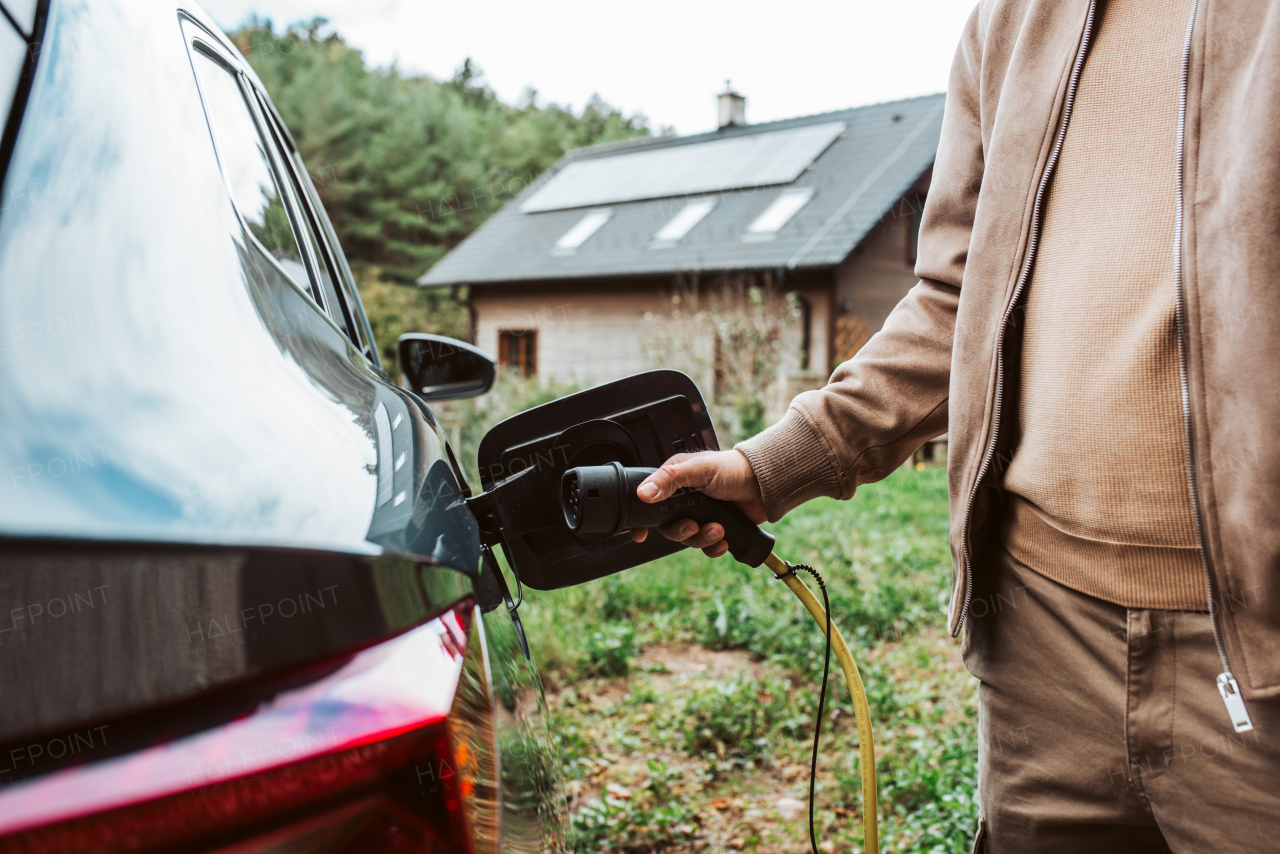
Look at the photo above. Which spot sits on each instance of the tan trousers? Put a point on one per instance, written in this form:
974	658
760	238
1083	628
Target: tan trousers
1101	728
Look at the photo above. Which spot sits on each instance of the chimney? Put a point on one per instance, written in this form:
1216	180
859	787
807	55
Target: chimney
733	107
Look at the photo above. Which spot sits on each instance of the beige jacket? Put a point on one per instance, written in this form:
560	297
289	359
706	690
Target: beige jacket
942	361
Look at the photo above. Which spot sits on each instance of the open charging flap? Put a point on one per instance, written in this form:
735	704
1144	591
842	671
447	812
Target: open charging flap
641	420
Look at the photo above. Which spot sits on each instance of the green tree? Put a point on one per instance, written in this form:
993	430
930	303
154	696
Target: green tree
408	166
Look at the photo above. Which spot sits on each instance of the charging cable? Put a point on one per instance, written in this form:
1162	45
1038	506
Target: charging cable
792	569
862	710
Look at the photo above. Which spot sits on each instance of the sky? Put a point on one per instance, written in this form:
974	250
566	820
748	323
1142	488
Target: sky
665	58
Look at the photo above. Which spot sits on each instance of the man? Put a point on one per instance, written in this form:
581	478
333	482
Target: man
1097	329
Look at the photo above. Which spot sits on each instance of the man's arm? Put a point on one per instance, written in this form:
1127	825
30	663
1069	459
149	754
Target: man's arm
891	397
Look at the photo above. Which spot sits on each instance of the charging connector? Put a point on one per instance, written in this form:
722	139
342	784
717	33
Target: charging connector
602	500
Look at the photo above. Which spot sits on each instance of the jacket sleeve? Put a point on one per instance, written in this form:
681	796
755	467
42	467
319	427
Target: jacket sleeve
891	397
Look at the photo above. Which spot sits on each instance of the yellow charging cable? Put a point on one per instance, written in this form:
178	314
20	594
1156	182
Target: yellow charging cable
866	748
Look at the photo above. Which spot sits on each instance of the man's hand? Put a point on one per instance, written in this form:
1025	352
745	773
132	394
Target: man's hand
726	475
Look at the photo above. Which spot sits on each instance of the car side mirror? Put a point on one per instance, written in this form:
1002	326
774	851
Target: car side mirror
440	368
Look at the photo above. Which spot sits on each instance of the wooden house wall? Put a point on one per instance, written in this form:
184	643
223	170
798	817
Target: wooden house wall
870	282
585	334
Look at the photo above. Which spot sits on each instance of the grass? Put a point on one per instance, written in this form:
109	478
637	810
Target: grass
683	692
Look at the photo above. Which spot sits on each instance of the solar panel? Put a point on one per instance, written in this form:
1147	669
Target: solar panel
753	160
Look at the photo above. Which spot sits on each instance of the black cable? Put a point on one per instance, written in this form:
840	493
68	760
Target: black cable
513	609
519	590
822	697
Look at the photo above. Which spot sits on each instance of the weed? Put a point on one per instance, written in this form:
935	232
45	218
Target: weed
732	713
609	651
623	820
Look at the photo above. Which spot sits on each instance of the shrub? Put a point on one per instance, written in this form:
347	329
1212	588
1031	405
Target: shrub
734	334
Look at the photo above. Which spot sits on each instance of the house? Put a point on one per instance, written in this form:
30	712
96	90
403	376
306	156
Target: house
826	207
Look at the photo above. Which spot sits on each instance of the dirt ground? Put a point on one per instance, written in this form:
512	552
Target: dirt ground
761	808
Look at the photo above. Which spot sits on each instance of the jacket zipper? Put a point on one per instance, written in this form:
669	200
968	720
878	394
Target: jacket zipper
1033	241
1226	682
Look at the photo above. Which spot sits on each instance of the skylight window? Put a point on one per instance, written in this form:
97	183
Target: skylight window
582	231
778	214
682	223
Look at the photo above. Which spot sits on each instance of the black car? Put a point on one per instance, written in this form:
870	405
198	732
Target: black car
240	608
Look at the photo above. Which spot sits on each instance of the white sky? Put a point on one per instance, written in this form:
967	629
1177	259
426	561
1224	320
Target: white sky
665	58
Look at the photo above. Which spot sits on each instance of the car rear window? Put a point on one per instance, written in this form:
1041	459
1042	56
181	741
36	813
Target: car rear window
245	165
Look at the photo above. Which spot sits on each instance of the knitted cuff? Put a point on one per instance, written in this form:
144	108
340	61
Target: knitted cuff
791	464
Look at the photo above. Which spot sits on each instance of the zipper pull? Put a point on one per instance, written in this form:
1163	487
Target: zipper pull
1230	692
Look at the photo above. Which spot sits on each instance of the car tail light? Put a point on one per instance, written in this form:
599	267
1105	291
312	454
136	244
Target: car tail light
391	751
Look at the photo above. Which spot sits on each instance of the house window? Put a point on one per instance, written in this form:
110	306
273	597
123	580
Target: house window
518	349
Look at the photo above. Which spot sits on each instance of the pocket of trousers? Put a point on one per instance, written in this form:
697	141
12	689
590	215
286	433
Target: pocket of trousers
980	840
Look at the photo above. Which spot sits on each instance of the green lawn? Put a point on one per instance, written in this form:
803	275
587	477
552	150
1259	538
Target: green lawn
683	692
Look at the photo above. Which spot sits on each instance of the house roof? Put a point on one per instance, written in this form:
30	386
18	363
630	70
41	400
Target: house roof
852	165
